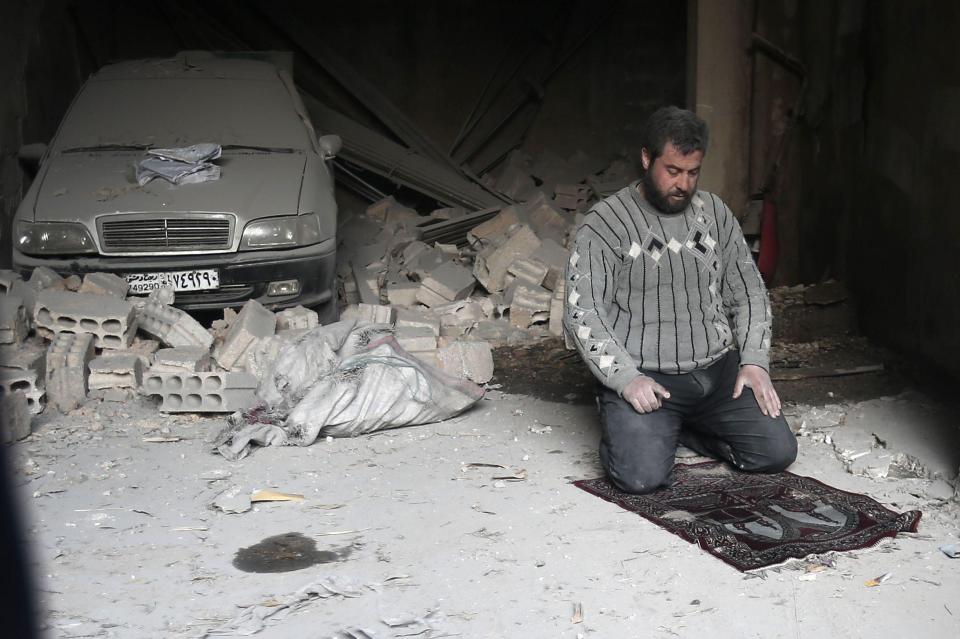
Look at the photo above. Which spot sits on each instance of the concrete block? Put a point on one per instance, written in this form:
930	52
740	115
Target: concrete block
499	333
490	268
15	417
252	322
201	392
470	360
368	283
370	313
104	284
67	365
412	250
13	320
546	220
463	313
403	293
182	359
450	281
555	257
112	321
7	278
171	326
530	304
296	318
430	298
115	370
23	369
572	197
556	309
27	295
426	262
494	229
415	318
416	338
529	271
43	278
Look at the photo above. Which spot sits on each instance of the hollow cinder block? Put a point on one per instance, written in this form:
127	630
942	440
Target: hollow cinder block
22	369
13	320
171	326
15	417
68	361
115	371
201	392
110	320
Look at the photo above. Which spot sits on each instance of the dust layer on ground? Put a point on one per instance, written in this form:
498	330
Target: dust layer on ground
285	553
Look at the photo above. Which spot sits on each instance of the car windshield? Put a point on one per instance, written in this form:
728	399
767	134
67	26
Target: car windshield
130	114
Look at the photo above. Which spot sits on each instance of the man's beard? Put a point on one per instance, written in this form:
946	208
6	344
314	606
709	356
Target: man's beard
659	199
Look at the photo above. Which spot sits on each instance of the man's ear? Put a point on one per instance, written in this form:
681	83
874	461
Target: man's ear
645	159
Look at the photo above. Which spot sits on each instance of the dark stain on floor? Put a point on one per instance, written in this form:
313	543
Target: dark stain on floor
285	553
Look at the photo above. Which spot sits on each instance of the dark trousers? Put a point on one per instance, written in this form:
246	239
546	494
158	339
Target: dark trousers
637	450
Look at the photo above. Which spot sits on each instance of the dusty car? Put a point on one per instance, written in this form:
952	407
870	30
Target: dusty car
264	229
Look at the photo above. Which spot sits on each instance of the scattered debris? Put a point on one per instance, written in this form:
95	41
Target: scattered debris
951	550
577	613
233	500
876	581
271	495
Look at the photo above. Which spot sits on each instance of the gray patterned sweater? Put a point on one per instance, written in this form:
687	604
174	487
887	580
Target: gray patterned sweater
670	293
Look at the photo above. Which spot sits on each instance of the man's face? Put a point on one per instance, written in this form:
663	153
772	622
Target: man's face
671	180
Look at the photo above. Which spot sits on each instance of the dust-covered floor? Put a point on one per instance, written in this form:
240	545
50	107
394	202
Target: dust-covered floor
467	528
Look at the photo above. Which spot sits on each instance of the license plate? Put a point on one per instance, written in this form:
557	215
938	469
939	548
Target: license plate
198	280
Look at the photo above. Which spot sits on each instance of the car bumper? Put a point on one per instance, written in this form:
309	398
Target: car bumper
243	276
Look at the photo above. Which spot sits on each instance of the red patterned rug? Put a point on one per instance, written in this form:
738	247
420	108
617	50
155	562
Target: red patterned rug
752	520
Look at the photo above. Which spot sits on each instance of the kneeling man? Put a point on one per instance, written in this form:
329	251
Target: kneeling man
667	308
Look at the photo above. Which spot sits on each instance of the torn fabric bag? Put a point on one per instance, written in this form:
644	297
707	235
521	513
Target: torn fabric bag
343	380
184	165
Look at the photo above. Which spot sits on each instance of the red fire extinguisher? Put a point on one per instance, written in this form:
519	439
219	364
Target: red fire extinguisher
769	244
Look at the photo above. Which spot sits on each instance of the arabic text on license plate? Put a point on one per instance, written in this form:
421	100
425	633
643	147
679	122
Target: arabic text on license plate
199	280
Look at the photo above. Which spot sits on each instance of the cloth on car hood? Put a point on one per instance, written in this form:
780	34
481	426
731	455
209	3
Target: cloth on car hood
181	165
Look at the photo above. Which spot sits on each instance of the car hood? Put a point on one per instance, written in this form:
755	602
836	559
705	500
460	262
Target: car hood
78	187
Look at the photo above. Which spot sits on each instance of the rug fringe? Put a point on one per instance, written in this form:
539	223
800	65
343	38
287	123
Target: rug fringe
821	557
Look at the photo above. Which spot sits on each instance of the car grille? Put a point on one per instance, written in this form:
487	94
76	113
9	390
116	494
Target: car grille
146	234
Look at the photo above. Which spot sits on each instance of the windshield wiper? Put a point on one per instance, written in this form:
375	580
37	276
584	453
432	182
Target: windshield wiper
107	147
251	147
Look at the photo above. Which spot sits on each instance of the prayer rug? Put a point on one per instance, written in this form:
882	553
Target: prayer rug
753	520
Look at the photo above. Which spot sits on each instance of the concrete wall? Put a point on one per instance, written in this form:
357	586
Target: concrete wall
719	91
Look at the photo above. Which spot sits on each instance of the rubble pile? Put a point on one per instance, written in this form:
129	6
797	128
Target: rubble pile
66	340
453	278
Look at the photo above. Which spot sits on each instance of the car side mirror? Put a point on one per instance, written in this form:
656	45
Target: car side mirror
330	145
30	155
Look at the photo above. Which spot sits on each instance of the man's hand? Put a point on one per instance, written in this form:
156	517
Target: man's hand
758	379
642	393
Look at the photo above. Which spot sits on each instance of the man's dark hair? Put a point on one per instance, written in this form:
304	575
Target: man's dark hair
680	127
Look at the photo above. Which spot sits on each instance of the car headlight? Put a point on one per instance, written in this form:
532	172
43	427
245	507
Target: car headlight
54	238
281	232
